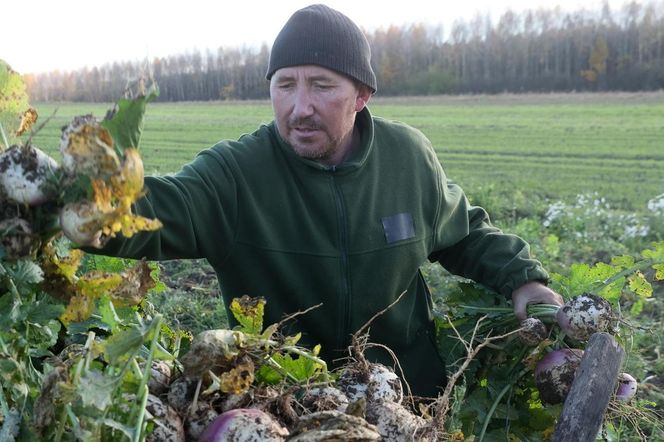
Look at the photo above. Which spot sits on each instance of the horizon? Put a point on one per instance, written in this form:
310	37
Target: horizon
58	48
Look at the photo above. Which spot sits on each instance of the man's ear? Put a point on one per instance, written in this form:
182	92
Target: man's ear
363	97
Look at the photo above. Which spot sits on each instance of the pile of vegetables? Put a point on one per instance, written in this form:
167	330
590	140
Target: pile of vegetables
83	355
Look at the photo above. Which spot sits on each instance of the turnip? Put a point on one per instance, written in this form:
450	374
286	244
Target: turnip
533	331
160	377
394	421
332	426
555	373
324	399
627	387
198	420
24	172
87	149
584	315
244	425
167	424
181	393
211	350
81	222
374	383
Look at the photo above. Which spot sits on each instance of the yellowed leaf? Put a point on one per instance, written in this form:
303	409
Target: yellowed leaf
28	118
136	281
238	379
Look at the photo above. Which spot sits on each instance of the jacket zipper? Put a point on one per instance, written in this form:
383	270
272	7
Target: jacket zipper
345	283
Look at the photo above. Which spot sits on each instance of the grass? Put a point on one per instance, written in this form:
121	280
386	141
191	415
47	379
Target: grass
543	146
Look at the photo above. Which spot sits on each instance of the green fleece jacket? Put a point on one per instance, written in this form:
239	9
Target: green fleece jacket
351	237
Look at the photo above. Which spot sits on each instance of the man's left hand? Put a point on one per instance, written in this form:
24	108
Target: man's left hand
533	293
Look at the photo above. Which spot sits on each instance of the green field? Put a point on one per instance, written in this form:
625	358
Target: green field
537	146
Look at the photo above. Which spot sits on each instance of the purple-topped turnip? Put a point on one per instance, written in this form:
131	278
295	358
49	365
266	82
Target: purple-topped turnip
627	387
555	373
584	315
244	425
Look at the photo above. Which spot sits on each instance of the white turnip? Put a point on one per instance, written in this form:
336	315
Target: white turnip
533	331
555	373
333	426
244	425
167	424
198	420
81	222
324	399
627	387
376	383
211	350
394	422
584	315
87	149
24	172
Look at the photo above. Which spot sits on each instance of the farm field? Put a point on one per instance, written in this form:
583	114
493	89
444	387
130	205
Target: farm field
548	147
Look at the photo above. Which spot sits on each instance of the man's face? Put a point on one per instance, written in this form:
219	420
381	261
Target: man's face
315	110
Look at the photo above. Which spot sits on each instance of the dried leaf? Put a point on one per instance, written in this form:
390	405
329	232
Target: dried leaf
238	379
28	118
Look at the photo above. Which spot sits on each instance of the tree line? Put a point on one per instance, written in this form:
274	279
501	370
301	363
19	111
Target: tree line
541	50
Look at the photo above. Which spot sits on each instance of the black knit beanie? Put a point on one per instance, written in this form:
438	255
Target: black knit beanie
322	36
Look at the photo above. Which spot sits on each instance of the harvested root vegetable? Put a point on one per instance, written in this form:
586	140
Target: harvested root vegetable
24	172
160	378
376	382
555	373
167	424
81	222
87	149
533	331
244	425
627	387
198	420
181	393
584	315
324	399
333	426
211	350
394	421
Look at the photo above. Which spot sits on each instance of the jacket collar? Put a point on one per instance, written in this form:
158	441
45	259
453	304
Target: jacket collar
358	157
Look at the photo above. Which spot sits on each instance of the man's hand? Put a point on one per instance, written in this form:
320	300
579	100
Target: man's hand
533	293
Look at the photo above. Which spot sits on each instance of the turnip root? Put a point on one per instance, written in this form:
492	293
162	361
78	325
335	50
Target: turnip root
81	222
584	315
167	424
555	373
211	350
160	378
333	426
394	421
324	399
24	171
198	420
181	393
376	383
244	425
87	149
533	331
627	387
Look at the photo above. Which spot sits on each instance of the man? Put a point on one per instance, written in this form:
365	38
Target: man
329	204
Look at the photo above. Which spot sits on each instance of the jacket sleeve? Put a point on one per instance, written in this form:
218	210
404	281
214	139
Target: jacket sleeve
467	244
197	207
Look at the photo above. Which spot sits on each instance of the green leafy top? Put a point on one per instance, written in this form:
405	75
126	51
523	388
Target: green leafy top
125	120
13	103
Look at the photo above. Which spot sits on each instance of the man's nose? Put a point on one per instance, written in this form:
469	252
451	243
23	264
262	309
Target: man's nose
303	104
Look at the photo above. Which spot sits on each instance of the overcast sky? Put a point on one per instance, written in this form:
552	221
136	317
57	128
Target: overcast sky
44	35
